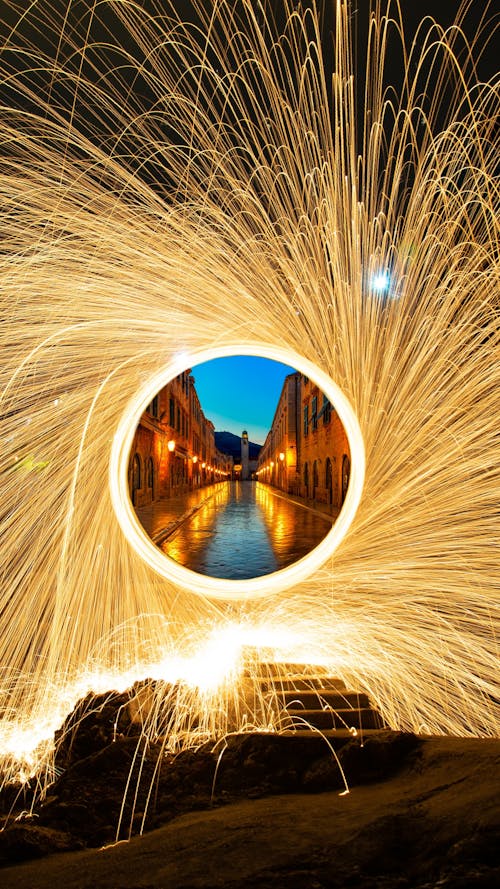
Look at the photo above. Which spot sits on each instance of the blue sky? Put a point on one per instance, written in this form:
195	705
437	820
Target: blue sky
240	392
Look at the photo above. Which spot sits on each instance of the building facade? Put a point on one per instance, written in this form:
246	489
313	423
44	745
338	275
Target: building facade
173	449
306	452
279	459
326	459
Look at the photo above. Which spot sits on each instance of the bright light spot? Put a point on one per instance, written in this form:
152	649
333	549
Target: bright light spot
380	282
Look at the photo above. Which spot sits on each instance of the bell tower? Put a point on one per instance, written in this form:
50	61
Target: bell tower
244	455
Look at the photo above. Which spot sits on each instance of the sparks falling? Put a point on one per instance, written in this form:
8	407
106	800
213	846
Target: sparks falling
166	186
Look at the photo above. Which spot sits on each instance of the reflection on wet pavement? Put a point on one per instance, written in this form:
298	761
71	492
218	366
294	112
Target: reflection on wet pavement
245	530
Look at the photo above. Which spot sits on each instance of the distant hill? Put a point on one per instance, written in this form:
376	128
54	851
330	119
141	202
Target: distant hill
229	443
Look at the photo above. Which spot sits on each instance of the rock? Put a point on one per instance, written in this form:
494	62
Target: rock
26	839
381	755
94	723
323	774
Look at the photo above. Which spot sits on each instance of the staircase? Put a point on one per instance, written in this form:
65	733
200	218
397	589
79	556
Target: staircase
308	700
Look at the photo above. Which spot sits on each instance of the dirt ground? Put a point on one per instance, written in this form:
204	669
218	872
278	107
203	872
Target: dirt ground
429	820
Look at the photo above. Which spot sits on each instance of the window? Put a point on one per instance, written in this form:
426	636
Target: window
152	408
172	413
326	410
150	472
306	419
314	413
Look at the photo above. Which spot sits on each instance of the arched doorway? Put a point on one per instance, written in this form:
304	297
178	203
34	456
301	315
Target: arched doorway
136	477
328	479
346	471
150	478
306	479
315	479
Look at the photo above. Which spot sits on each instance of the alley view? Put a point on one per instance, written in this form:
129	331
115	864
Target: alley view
223	505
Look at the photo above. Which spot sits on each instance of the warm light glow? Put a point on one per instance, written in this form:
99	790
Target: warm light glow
171	446
195	459
282	456
217	587
238	202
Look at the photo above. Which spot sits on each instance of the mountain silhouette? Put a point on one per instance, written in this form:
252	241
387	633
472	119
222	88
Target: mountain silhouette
229	443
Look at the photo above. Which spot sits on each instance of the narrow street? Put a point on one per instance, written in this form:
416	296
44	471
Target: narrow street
245	529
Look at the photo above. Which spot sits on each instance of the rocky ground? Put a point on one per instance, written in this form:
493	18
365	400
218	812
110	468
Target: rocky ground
263	811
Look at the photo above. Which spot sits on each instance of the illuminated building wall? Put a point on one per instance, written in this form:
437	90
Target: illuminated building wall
174	445
325	455
306	451
278	457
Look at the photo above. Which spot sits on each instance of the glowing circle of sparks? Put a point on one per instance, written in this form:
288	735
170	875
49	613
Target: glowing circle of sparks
214	587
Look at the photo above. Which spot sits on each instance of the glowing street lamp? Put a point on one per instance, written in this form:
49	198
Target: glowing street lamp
282	456
195	459
171	445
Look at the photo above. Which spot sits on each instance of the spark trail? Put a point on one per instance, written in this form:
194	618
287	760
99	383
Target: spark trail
166	186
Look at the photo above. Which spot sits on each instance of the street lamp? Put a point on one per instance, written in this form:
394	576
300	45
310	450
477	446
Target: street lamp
195	459
281	478
171	445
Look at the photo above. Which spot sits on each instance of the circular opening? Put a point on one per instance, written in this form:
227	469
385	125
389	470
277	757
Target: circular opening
205	584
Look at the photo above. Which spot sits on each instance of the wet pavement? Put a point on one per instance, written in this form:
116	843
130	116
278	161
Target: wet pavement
236	530
162	516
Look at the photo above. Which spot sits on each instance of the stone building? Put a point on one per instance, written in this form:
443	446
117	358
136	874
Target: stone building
174	449
306	451
279	458
325	454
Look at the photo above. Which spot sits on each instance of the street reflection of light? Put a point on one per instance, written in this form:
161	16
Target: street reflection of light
182	546
289	526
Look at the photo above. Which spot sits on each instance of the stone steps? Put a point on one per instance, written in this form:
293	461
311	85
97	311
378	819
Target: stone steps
309	700
358	718
324	699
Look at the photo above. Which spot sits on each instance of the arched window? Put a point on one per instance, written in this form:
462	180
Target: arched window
346	472
328	478
136	476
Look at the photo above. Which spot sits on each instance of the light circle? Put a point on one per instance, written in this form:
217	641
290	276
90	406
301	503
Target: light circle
215	587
